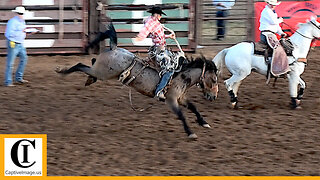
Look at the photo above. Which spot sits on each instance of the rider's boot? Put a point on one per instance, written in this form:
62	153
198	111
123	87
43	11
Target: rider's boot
162	84
161	96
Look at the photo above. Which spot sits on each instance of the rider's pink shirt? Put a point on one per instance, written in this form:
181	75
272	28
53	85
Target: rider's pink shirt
153	27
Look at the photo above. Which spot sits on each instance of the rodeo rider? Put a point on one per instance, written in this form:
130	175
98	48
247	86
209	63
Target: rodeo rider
269	21
154	29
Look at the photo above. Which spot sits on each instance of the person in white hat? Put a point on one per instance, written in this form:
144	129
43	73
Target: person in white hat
269	21
15	34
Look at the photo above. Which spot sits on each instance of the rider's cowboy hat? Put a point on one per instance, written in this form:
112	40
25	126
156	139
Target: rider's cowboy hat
273	2
156	9
19	10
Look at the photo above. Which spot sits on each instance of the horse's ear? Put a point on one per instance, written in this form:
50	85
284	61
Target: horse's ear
202	57
299	25
313	18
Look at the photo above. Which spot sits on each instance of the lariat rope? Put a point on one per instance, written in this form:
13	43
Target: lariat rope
132	107
175	39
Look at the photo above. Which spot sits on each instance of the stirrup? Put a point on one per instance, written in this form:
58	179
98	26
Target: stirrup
160	96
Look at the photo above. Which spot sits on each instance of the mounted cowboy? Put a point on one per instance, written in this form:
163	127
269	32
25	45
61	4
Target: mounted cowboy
269	27
158	52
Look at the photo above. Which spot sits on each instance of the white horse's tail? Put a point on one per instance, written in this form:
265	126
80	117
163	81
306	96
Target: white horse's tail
218	60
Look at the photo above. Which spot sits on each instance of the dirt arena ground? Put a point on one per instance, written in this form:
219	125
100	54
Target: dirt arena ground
93	130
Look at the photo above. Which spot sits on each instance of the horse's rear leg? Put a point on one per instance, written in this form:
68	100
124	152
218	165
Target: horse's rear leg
232	85
79	67
91	79
177	110
186	103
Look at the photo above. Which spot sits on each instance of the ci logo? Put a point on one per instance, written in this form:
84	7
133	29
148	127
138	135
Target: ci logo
26	145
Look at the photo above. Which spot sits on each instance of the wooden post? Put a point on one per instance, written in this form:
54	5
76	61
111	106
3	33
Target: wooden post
84	23
61	16
102	15
192	35
198	21
250	20
93	24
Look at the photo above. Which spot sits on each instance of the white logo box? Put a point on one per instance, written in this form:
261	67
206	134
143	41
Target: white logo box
29	153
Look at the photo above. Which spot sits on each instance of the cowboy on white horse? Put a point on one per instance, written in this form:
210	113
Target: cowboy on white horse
240	60
269	27
154	29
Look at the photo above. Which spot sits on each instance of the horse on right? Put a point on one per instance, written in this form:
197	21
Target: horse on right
240	60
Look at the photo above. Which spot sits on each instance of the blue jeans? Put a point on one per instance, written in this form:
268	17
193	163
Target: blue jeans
18	50
221	23
164	81
263	38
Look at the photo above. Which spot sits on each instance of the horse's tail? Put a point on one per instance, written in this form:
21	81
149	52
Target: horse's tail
112	34
218	60
109	33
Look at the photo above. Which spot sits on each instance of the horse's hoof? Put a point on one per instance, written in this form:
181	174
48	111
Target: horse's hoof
206	126
192	136
296	108
234	105
58	69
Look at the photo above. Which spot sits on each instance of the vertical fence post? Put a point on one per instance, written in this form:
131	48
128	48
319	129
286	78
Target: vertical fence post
93	24
199	21
61	16
85	24
250	20
102	16
192	35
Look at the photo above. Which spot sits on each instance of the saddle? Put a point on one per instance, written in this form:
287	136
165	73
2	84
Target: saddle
275	55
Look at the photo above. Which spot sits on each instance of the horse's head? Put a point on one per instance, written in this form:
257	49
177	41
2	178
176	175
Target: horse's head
311	28
315	28
209	80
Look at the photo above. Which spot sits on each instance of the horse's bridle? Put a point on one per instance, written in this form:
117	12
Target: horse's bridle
202	74
316	27
203	71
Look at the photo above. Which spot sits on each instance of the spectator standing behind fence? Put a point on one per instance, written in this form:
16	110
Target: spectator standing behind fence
16	34
223	7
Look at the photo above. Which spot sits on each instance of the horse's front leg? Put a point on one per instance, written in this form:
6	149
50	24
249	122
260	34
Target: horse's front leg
186	103
173	103
301	90
293	89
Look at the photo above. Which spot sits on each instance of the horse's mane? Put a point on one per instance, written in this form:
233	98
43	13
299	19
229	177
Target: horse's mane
198	63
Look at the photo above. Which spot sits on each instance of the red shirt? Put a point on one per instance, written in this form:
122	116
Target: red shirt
153	27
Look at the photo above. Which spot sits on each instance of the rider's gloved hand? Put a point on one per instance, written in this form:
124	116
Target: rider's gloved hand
172	36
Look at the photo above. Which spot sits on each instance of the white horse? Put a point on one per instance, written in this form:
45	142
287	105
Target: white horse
240	61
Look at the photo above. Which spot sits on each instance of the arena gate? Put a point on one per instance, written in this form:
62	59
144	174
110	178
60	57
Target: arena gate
128	15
